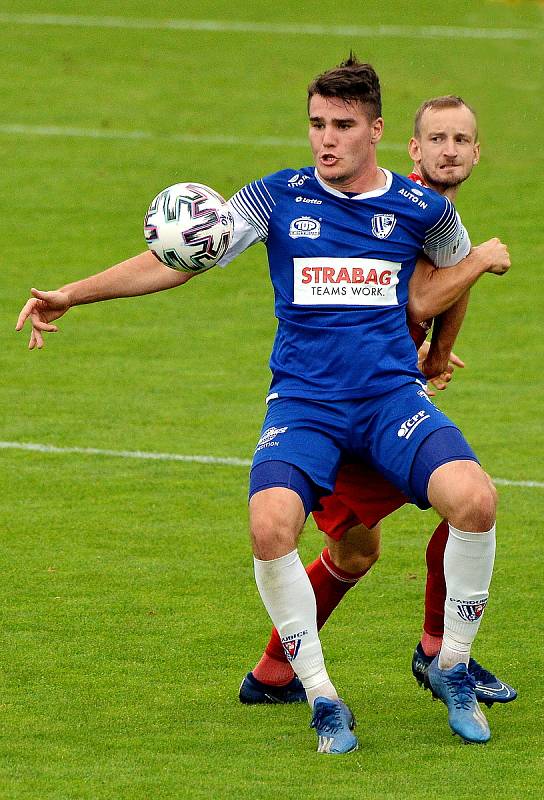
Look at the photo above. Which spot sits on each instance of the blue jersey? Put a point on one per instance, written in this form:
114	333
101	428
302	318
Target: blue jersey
340	267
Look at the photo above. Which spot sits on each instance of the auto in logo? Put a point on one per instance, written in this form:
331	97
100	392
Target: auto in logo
305	226
383	224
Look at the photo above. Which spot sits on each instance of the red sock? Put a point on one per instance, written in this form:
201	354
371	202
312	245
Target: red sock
435	591
330	584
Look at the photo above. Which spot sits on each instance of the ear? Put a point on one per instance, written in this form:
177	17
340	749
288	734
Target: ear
414	150
476	156
376	130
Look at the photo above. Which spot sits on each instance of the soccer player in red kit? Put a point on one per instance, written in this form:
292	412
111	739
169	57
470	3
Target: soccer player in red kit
444	150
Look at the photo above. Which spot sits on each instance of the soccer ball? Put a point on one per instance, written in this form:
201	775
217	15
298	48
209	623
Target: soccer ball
188	227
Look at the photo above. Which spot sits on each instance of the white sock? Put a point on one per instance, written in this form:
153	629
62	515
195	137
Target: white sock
289	598
468	566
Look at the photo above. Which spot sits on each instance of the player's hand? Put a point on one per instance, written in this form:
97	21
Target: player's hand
42	309
437	369
496	254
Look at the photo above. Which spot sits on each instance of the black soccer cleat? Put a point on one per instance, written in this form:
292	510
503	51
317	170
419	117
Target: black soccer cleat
488	689
254	692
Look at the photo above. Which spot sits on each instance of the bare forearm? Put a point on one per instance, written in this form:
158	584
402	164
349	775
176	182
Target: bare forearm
142	274
446	329
433	291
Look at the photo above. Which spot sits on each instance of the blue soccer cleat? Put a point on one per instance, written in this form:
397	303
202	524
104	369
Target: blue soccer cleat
334	724
254	692
455	687
489	689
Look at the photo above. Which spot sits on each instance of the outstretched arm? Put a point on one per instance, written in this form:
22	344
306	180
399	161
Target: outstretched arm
432	291
142	274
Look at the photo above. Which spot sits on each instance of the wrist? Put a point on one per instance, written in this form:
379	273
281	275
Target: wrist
480	260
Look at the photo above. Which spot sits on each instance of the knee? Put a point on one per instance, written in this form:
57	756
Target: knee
275	522
479	509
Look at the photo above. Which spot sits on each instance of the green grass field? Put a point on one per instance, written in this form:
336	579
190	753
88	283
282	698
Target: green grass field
129	608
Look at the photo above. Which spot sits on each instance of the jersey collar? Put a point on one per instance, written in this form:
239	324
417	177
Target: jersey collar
363	195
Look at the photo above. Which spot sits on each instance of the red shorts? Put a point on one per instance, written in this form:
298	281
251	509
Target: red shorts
361	495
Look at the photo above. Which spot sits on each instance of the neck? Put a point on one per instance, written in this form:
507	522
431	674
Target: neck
450	192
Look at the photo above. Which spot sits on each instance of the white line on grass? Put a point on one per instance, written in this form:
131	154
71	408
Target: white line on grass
182	138
94	451
229	462
233	26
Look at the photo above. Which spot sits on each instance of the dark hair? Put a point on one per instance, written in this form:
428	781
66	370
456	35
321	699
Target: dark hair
445	101
352	82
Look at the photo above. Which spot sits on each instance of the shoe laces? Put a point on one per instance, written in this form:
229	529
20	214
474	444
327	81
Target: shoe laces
479	673
461	688
327	718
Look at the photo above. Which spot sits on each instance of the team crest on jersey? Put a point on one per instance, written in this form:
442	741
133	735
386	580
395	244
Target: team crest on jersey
305	226
383	224
471	612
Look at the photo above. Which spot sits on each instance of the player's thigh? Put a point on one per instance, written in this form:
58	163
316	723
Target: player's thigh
276	518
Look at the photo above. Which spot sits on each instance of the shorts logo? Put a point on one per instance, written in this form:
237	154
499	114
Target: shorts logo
469	611
291	644
383	224
408	426
297	180
267	439
305	226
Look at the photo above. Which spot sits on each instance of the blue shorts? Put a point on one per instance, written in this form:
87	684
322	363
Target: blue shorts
384	431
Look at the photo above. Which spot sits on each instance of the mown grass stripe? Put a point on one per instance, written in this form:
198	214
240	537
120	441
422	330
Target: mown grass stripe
183	138
281	29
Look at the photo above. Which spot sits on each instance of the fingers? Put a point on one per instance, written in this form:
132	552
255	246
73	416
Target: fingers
26	311
456	361
41	295
38	324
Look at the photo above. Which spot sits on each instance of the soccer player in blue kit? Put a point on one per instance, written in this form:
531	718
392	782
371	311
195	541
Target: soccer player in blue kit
343	239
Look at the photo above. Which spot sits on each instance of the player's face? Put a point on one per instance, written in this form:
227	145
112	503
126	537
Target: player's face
343	141
446	150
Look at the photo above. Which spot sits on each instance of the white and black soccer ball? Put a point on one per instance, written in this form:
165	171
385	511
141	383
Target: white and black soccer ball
188	227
